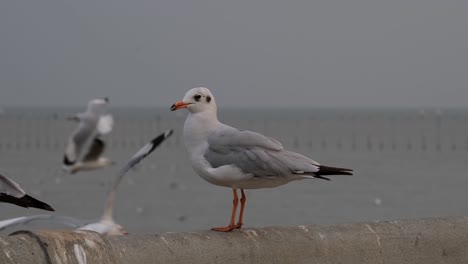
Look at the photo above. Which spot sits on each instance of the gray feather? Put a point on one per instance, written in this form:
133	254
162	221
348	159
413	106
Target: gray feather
23	220
10	187
227	136
81	137
254	153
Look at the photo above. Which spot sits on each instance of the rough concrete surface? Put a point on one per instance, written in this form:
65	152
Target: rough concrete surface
438	240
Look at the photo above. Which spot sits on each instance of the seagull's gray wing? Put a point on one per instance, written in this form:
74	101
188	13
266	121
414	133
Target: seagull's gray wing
139	156
95	150
80	138
10	187
23	220
226	136
145	151
255	154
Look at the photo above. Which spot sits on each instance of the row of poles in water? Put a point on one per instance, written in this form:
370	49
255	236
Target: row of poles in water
321	134
323	145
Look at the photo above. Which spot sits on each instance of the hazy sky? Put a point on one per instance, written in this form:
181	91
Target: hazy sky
293	53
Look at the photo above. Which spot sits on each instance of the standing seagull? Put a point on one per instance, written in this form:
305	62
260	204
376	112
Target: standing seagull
11	192
240	159
85	145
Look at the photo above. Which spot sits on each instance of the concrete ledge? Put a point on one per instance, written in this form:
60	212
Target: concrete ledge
438	240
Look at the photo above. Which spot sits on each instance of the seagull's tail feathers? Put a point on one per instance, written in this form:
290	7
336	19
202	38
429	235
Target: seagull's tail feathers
325	170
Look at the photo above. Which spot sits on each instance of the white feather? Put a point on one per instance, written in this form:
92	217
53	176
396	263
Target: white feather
105	124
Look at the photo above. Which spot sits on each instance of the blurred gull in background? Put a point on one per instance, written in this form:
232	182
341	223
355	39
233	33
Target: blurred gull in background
85	145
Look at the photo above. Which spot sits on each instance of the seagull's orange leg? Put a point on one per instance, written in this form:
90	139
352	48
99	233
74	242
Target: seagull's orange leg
231	225
241	214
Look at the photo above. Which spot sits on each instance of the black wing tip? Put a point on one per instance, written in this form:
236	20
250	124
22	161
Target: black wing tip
321	177
34	203
25	201
326	170
99	141
160	138
66	161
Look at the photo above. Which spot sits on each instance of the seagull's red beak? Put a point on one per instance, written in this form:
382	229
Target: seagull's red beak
179	105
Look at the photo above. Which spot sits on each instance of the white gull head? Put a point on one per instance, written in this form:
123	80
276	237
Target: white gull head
202	118
197	100
97	106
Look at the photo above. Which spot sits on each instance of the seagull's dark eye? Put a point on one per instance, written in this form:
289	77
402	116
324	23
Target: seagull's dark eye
208	99
197	97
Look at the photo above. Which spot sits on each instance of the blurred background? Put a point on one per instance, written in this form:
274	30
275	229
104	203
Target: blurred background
377	87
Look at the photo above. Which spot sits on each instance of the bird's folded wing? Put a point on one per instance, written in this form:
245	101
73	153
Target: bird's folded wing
254	153
228	137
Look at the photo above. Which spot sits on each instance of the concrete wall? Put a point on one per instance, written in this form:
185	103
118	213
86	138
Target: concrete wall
440	240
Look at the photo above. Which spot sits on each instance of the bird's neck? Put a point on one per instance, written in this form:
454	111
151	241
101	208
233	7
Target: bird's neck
197	128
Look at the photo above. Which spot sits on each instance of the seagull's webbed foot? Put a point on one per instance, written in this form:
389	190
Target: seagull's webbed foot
224	229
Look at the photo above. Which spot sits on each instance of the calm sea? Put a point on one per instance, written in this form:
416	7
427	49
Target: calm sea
408	164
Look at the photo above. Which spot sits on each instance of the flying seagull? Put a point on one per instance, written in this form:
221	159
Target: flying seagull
85	145
240	159
11	192
106	225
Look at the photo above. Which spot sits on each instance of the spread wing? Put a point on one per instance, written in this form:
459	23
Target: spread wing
145	151
139	156
25	201
23	220
10	187
11	192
